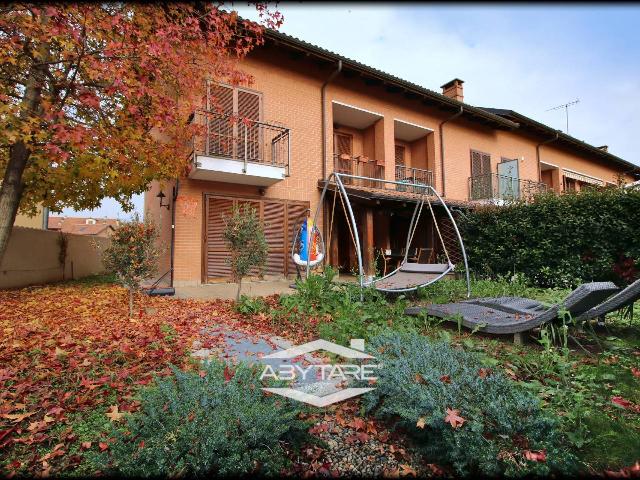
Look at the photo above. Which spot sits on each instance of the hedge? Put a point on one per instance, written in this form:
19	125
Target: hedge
558	240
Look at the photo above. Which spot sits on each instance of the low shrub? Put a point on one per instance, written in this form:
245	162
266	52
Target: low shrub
251	306
353	313
215	422
461	412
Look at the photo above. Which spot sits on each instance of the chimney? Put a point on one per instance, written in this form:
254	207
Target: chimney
453	89
604	148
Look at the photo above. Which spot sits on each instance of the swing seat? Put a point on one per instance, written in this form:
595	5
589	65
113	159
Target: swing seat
428	268
303	263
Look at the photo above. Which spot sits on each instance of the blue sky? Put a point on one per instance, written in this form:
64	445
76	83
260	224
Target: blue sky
525	58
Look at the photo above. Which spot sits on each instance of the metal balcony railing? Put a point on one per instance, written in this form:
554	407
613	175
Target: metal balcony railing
413	175
240	139
492	186
359	166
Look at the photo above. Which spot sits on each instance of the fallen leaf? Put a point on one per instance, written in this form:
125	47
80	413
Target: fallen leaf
85	445
228	374
454	418
445	379
635	371
114	415
406	470
421	422
539	456
484	372
103	446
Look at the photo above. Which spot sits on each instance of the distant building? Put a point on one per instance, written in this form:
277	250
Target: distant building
37	221
97	227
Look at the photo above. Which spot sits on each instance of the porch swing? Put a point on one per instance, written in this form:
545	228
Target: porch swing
409	276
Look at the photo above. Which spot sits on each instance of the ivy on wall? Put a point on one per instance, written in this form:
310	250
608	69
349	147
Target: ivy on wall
559	240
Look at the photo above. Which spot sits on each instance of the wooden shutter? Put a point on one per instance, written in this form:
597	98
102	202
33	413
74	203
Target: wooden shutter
220	124
295	212
216	249
480	163
400	154
248	112
256	206
343	144
274	230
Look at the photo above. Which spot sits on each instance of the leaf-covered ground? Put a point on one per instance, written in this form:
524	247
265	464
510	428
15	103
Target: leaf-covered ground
71	359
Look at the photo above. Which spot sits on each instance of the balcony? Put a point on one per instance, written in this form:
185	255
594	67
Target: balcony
413	175
359	166
240	151
495	188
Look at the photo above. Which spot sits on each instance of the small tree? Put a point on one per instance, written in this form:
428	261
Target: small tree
246	241
133	254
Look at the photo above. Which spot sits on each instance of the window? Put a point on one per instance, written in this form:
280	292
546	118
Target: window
400	151
569	184
235	125
480	163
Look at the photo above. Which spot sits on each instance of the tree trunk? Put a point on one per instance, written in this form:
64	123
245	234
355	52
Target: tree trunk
11	192
12	185
239	287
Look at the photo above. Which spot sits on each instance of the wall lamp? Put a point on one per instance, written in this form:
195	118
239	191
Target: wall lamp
161	196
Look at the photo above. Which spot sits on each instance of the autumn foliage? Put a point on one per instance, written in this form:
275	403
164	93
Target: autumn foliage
96	97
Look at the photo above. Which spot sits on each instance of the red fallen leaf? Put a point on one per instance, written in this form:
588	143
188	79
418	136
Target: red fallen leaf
141	445
484	372
445	379
202	373
351	439
621	402
363	437
85	445
635	372
454	418
383	437
103	446
538	456
358	424
228	374
435	469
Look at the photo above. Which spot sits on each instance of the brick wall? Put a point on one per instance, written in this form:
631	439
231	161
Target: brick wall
291	92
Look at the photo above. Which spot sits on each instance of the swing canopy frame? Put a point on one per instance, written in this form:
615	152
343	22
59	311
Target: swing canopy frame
408	276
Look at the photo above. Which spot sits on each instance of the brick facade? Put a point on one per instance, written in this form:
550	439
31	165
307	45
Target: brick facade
291	96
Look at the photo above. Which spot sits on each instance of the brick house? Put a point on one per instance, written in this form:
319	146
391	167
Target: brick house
313	111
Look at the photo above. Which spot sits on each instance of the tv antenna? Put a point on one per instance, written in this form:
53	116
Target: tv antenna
566	110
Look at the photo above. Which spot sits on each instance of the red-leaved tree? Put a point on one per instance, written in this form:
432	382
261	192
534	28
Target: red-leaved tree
96	97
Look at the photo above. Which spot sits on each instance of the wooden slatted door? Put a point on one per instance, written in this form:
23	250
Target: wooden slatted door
280	219
273	219
216	251
248	131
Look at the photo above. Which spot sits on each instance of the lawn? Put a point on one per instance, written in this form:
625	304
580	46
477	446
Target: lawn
73	364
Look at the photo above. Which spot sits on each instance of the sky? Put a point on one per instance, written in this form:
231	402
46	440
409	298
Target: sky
527	58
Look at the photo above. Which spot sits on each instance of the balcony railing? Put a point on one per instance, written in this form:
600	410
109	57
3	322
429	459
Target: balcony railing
413	175
359	166
492	186
247	141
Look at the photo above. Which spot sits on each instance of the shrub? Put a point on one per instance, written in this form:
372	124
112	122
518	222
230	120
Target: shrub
245	238
350	316
558	240
195	424
251	306
504	430
132	255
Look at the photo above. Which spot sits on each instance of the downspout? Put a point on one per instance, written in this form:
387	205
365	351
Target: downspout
441	130
538	153
173	229
323	96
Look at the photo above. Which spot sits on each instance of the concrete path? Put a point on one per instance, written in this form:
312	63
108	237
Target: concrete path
238	346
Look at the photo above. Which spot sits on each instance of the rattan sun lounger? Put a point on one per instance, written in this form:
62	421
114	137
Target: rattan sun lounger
512	315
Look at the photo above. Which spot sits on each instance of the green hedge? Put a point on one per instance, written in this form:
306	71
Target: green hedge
558	240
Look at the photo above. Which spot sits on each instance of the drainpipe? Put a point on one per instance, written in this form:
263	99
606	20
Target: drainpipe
323	95
538	153
441	130
173	229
